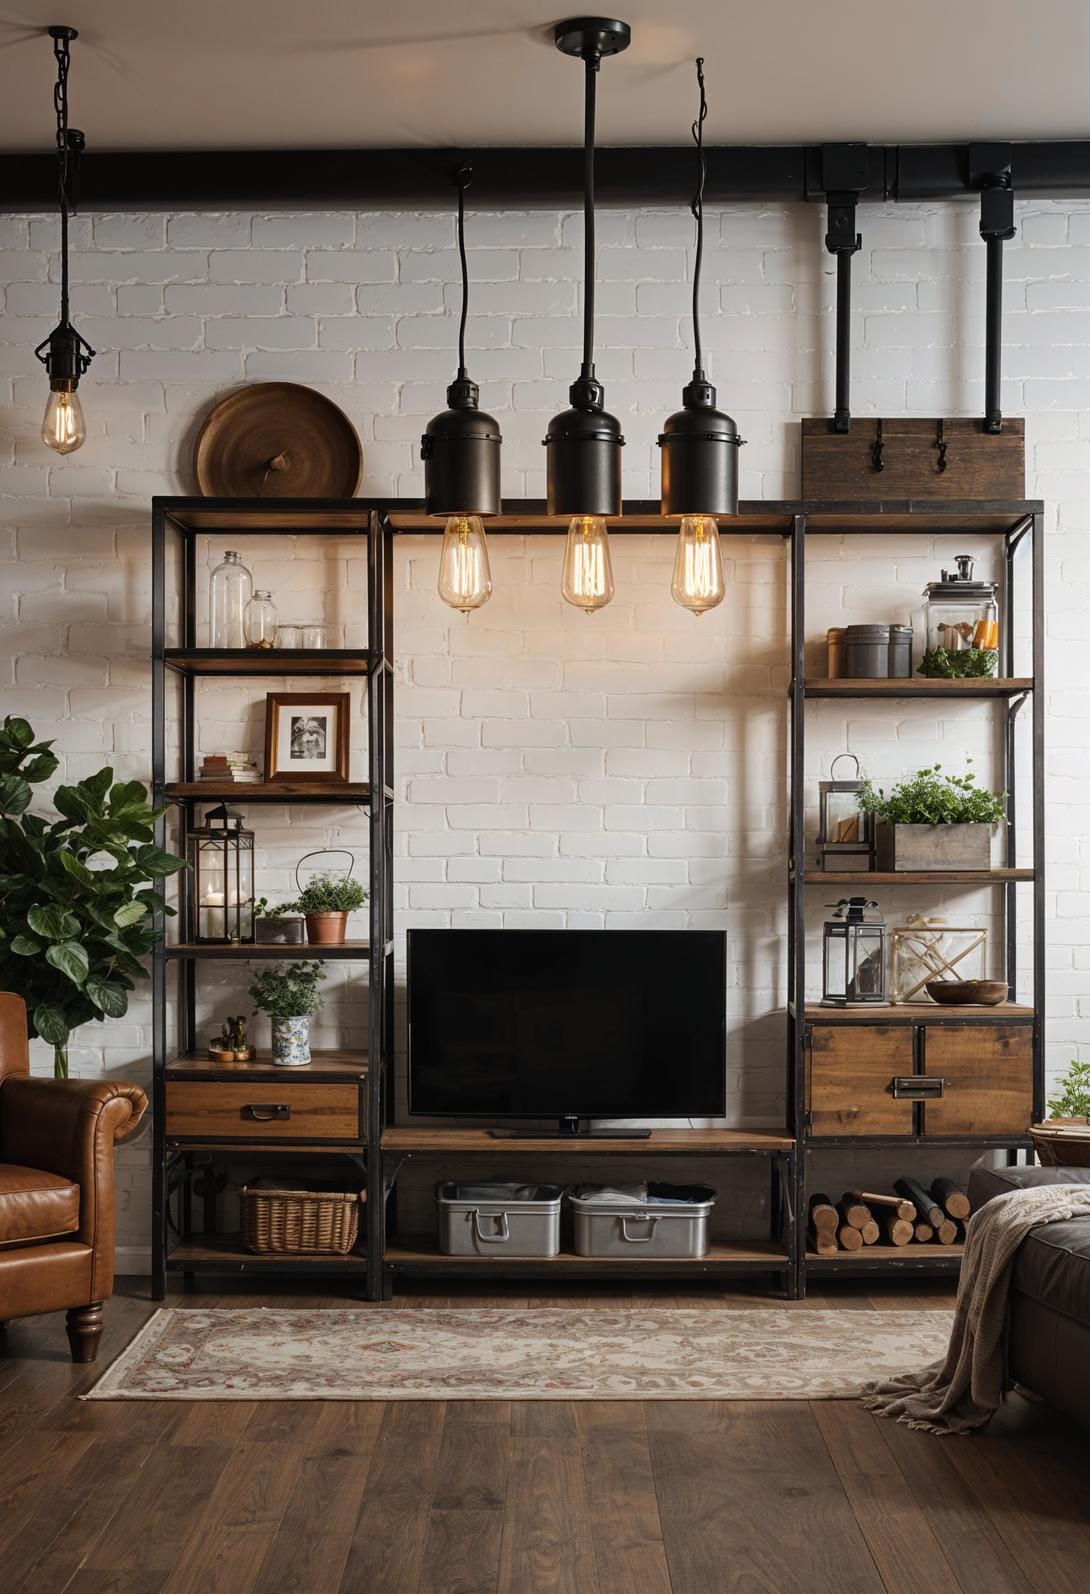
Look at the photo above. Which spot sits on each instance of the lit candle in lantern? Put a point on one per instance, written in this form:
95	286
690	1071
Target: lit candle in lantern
212	915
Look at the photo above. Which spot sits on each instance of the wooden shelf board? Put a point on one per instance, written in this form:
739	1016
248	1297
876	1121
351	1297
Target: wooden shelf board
243	792
662	1142
324	1065
909	877
265	952
913	1013
918	686
758	1254
221	1250
264	1150
268	661
889	1253
255	515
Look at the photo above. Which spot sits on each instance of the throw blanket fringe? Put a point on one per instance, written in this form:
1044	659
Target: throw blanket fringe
962	1392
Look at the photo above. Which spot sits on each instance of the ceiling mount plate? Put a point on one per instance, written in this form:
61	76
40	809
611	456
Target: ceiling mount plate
592	37
62	33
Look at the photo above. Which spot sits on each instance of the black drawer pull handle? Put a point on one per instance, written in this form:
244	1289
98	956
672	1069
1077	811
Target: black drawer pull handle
267	1112
917	1087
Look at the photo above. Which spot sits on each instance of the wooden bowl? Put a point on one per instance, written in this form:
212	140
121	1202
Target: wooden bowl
967	993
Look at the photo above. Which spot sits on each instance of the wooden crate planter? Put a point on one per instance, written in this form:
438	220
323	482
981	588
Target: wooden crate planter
945	847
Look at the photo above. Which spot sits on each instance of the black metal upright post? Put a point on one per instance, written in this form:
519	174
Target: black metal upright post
158	958
1038	551
844	171
380	969
990	171
796	904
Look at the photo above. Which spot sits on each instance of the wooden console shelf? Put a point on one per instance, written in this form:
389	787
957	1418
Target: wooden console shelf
266	951
226	1252
335	1066
661	1142
257	791
268	661
914	1013
915	1252
919	686
411	1255
916	877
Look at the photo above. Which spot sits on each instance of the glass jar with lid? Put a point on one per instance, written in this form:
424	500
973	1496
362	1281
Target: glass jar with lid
260	620
961	616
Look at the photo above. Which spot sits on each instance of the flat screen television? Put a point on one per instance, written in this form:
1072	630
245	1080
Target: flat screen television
567	1024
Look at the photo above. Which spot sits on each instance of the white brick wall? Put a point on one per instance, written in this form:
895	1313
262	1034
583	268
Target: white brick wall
624	770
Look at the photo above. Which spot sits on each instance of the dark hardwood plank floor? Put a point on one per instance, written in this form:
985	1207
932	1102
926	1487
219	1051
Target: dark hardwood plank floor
491	1497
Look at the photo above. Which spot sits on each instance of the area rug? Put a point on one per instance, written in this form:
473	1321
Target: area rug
544	1353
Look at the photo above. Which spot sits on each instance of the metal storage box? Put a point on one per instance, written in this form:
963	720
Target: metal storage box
499	1219
654	1228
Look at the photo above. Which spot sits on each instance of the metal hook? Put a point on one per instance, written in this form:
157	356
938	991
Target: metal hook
877	448
942	445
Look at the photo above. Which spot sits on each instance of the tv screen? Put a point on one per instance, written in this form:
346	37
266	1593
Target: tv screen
567	1023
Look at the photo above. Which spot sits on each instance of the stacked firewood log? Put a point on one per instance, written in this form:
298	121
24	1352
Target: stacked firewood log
910	1214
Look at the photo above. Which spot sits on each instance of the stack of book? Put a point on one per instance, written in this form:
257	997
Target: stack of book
236	769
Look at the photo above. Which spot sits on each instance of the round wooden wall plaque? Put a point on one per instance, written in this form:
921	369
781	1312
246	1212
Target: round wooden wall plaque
278	440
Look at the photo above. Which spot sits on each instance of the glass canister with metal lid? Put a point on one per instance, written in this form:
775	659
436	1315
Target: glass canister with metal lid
961	616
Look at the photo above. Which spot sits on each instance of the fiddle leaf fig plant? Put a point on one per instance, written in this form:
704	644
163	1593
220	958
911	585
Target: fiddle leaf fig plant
79	911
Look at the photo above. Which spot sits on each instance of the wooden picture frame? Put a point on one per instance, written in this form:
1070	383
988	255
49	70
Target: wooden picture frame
306	738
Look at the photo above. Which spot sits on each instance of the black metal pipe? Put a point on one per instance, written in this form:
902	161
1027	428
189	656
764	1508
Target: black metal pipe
993	337
842	415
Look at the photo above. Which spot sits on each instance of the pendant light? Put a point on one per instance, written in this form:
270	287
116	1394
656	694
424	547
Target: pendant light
699	444
461	453
64	353
583	446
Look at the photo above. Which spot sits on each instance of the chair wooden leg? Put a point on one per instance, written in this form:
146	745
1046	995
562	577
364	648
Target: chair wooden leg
83	1325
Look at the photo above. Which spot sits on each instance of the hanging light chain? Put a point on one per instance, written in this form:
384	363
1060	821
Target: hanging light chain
62	55
697	208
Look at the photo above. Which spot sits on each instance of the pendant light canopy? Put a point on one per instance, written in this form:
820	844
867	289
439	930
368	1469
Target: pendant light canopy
64	353
699	443
583	446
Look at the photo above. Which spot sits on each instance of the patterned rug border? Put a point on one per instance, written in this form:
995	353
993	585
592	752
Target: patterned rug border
911	1320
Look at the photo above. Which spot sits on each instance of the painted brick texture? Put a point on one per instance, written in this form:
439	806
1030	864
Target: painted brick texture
620	771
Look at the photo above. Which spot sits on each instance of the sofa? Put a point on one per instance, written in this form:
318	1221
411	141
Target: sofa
1048	1347
57	1140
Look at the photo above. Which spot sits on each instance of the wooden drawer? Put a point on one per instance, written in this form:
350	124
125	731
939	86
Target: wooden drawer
849	1072
987	1074
260	1111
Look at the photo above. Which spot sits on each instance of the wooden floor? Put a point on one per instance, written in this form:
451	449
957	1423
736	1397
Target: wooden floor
530	1498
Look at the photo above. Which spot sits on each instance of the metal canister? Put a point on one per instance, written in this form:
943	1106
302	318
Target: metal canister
900	652
834	644
866	652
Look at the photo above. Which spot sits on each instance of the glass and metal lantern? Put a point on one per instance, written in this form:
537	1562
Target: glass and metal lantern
961	616
854	955
925	950
221	878
845	833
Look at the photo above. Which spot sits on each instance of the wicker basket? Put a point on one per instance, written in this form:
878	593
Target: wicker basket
1062	1142
300	1219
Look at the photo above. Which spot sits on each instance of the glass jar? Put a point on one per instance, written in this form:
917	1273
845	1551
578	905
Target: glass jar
287	636
259	621
316	636
961	617
230	591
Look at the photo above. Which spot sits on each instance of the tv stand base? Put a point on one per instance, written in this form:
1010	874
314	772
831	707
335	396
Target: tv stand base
569	1129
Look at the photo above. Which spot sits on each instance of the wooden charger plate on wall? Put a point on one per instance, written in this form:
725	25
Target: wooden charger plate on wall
278	440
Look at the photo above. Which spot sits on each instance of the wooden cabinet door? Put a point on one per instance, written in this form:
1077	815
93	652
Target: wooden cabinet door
988	1073
850	1069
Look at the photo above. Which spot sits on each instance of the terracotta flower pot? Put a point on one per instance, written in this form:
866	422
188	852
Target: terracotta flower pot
326	929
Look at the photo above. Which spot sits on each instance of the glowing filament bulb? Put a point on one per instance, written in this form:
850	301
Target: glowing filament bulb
698	565
63	426
465	578
588	573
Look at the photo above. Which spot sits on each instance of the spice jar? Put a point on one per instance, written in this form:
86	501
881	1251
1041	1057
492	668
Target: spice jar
962	625
259	621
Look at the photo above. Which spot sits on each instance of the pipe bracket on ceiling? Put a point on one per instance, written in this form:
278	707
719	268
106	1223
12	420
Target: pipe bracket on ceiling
844	174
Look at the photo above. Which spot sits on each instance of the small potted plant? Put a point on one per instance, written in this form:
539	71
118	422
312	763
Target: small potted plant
288	993
1064	1139
934	821
280	923
326	901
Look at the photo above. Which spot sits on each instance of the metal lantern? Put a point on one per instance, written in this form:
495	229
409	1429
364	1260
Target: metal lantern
854	955
221	878
845	833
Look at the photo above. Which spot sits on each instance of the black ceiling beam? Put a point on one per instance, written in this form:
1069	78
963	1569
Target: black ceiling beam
532	179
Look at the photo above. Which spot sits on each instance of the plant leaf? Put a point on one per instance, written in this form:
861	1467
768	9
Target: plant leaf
55	924
40	767
70	959
25	946
51	1023
154	861
130	913
109	998
77	869
73	803
15	794
99	784
18	731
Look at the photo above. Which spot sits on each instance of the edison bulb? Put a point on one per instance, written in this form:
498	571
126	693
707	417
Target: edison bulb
465	578
587	581
63	426
698	565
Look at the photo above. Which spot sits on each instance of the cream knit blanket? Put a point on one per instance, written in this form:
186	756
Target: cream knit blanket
963	1391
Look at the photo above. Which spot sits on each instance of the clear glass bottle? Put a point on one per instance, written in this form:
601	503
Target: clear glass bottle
259	621
231	589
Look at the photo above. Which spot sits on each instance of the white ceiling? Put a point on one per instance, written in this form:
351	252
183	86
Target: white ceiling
178	74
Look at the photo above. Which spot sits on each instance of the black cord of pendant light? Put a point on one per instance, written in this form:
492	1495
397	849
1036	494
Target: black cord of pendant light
60	106
591	64
697	208
463	177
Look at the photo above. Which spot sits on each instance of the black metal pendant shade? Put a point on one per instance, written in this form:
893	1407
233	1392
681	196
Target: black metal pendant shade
699	456
583	444
461	447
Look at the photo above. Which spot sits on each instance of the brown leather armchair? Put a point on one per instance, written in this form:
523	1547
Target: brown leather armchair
57	1142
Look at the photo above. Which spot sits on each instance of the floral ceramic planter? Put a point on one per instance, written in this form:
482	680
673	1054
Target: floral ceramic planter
291	1041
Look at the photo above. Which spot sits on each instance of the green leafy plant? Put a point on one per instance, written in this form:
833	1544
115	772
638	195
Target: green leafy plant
331	894
965	665
78	907
931	798
264	909
1074	1098
287	990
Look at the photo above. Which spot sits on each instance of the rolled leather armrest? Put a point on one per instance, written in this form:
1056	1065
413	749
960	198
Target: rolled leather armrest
70	1127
